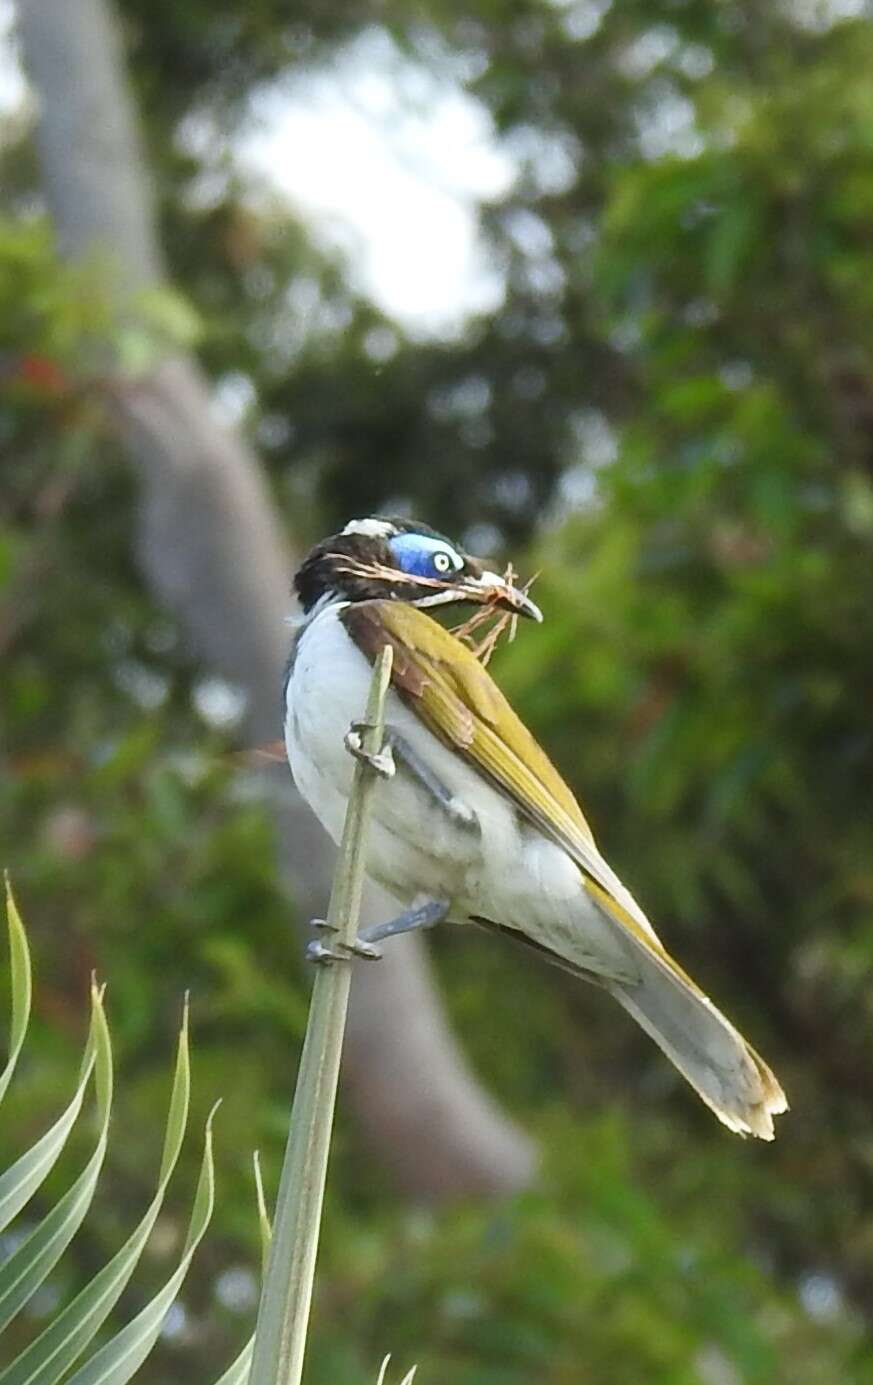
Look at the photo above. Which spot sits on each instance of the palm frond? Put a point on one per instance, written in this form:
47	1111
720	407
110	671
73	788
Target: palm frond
65	1340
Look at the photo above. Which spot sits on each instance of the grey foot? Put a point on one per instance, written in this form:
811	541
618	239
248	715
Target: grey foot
323	953
411	920
382	762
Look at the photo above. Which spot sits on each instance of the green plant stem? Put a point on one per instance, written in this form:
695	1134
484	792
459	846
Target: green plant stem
283	1315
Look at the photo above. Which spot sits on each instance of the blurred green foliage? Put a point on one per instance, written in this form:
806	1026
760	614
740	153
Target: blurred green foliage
674	407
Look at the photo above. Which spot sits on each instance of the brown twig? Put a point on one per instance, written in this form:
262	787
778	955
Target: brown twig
356	567
503	620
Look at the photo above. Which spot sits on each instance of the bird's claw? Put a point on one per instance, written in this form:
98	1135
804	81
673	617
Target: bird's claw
360	948
323	953
382	762
318	952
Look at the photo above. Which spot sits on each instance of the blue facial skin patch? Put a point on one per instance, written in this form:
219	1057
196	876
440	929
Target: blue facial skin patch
415	555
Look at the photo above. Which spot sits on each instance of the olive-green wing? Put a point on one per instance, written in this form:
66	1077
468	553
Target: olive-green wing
456	698
446	686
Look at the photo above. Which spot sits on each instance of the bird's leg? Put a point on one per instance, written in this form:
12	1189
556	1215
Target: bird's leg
426	916
460	814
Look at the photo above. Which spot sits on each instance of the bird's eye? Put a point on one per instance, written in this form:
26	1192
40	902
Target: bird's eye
441	561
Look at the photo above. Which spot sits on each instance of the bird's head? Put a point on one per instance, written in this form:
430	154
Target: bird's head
402	560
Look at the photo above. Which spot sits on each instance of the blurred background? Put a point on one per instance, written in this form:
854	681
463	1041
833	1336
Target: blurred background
585	284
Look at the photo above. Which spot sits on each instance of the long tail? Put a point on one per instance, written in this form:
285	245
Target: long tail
723	1069
710	1053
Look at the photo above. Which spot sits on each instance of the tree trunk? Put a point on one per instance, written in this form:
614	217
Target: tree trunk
212	549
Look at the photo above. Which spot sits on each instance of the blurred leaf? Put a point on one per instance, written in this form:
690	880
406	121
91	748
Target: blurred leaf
53	1352
28	1266
19	959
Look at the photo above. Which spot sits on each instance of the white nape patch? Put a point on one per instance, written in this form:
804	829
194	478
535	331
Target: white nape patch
370	528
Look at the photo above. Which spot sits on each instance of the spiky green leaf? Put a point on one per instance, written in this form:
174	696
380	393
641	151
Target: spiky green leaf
19	958
28	1266
47	1359
19	1183
118	1360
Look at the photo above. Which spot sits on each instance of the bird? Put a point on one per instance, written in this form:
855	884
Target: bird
470	821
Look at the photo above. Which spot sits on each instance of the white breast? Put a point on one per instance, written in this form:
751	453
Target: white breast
507	872
414	848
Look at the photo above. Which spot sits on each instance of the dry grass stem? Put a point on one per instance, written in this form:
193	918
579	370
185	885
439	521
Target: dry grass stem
356	567
503	620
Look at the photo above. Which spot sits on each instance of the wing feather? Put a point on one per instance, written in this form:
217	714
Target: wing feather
456	697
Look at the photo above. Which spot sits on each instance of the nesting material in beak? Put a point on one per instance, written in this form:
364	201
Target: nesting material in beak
501	602
494	590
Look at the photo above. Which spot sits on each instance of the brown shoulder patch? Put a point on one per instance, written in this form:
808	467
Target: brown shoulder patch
364	622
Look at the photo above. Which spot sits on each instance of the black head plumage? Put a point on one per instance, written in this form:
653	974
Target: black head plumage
403	560
382	557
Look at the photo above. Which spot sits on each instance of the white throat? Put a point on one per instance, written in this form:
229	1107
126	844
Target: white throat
300	621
